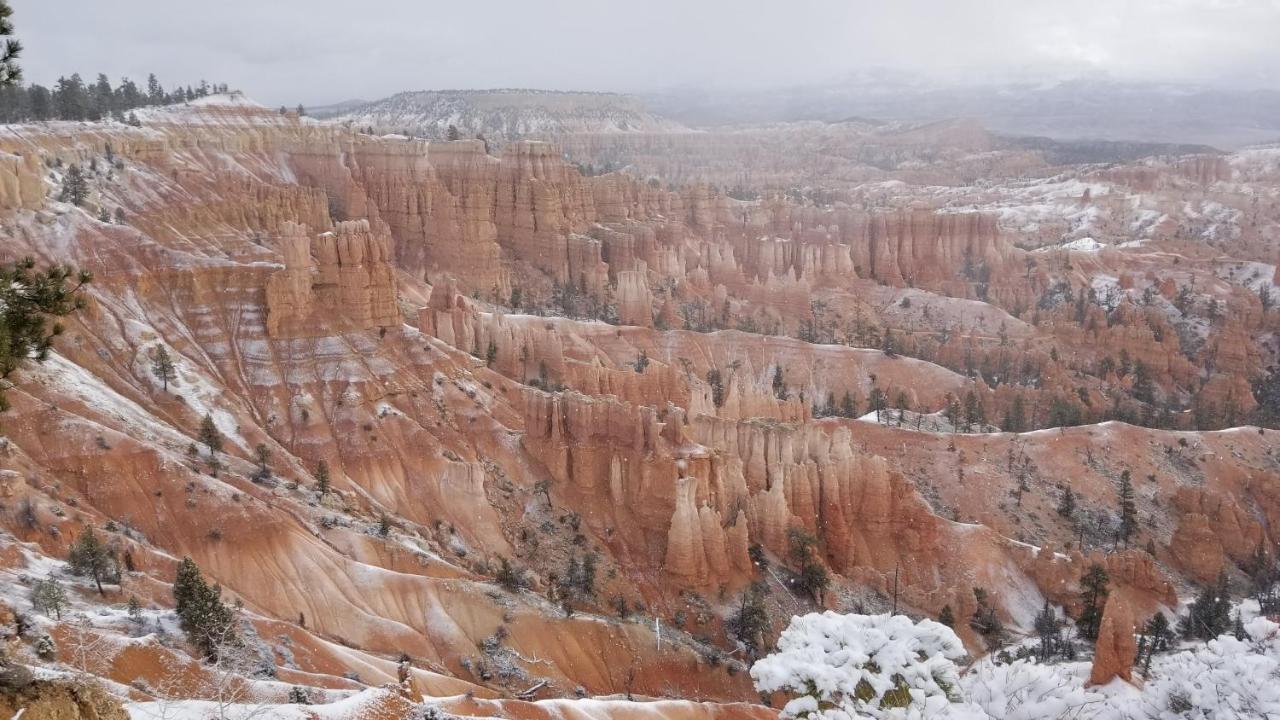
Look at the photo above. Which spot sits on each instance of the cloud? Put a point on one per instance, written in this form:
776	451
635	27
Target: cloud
286	51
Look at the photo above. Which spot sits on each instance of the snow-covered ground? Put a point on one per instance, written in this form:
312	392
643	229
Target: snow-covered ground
826	662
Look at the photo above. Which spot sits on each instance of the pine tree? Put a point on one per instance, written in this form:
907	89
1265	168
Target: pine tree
162	366
1210	613
1159	638
985	621
49	597
877	402
1093	594
10	49
186	586
262	455
103	102
716	381
40	102
1128	509
952	412
384	525
587	580
207	621
88	556
210	436
75	187
975	413
71	99
779	383
812	578
322	478
452	133
1016	419
848	407
750	622
1143	387
573	573
27	299
1047	626
135	610
511	579
155	92
1067	505
947	616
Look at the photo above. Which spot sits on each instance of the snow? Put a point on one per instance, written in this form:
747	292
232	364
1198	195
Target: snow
1027	691
507	114
1084	244
235	98
355	706
831	659
822	658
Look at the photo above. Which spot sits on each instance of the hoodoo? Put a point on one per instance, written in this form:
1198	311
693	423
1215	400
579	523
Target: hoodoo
810	404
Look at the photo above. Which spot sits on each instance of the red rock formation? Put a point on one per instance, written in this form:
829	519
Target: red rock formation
1212	529
350	286
1117	645
665	453
21	187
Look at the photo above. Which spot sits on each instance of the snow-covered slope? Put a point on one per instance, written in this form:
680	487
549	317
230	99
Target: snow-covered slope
504	114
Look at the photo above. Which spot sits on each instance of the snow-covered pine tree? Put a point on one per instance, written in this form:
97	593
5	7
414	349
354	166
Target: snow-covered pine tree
10	49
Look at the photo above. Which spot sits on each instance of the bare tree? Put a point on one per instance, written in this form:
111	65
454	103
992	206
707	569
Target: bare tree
87	650
229	682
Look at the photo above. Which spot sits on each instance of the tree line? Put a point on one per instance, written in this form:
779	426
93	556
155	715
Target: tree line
71	98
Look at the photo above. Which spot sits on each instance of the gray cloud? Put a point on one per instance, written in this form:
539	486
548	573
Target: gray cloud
286	51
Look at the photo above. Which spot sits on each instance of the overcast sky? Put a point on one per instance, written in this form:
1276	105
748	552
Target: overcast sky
313	51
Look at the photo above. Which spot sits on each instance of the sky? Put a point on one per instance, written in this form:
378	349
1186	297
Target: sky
321	51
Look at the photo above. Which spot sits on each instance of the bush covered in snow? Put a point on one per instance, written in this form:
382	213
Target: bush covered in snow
844	666
1026	690
1225	679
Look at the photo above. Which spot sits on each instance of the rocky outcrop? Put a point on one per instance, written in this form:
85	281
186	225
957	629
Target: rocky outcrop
1117	646
1212	529
634	300
21	187
349	285
1134	572
263	250
49	700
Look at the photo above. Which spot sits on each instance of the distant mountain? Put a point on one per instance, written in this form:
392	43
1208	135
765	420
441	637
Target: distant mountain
1091	108
335	109
503	114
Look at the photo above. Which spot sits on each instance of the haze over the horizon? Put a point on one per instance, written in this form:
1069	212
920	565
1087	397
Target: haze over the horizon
320	51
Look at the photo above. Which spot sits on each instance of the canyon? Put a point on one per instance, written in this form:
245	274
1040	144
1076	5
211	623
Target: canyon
903	342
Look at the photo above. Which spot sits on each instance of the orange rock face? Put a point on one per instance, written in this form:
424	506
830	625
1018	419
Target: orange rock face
506	364
1117	644
349	286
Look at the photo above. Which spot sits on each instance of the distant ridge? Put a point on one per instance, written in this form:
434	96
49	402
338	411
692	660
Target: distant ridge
502	114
